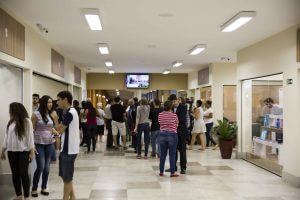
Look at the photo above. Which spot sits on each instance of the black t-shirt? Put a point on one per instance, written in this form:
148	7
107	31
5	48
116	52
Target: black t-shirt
154	117
117	112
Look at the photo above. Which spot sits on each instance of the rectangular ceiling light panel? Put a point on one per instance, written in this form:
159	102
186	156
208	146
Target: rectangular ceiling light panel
103	48
93	19
197	49
238	20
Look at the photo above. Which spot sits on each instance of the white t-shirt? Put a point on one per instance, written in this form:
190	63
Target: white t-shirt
100	120
71	134
206	114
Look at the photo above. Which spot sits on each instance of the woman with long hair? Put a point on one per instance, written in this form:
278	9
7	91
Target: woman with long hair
91	115
199	128
19	144
168	138
43	121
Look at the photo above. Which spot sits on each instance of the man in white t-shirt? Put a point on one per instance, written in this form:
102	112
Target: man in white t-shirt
209	123
275	109
70	140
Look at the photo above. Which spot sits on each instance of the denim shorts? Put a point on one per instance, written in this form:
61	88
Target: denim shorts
66	166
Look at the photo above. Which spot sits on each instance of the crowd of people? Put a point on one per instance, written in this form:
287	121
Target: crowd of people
167	127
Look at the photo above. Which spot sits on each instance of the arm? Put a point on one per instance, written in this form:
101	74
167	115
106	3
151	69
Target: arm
30	141
4	147
55	118
197	114
137	118
33	120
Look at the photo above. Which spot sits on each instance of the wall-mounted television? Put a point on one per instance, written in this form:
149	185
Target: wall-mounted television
137	81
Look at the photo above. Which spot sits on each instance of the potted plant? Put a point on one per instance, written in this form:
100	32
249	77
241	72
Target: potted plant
226	132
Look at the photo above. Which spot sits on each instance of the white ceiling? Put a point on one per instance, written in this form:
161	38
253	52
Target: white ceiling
130	26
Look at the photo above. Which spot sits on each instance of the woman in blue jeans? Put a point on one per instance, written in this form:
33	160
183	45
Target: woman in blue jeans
43	121
168	138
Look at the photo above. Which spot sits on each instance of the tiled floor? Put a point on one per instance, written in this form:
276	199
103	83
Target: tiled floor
113	175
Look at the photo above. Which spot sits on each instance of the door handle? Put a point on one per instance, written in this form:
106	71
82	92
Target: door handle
6	32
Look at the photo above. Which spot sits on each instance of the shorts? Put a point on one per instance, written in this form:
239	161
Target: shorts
66	166
100	130
118	127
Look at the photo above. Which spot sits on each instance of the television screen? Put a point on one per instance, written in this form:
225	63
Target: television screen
137	81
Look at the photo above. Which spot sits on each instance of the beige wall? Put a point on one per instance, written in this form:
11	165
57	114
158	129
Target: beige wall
38	59
117	81
222	74
270	56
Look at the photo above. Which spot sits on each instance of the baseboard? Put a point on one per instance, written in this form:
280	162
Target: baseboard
291	179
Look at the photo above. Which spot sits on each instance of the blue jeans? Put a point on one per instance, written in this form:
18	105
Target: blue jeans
154	142
167	141
146	129
43	159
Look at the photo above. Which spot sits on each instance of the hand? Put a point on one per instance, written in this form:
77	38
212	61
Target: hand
54	132
135	130
3	157
31	155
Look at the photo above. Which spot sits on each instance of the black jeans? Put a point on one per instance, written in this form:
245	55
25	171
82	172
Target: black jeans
208	135
91	130
109	142
182	133
19	162
84	133
146	129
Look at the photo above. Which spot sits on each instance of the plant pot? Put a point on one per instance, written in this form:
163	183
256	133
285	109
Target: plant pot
226	147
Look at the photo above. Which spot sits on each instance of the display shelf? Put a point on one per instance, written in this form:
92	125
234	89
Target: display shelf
273	129
269	143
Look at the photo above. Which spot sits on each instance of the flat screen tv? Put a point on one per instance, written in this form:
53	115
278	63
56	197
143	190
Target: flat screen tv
137	81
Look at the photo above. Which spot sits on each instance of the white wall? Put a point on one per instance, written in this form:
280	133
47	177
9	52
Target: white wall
38	59
275	55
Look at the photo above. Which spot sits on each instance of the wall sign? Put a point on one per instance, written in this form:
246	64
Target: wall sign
57	63
203	76
77	75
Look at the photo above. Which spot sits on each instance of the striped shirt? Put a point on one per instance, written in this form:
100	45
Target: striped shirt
168	121
43	131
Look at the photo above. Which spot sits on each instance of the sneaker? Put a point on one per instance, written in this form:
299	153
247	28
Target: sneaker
183	171
174	175
34	193
215	147
45	192
138	157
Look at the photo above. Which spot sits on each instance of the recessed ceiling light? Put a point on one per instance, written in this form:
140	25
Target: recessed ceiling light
166	71
197	49
93	19
108	63
166	15
103	48
238	20
111	71
177	63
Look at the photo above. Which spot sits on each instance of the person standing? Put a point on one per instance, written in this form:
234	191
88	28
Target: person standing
118	122
182	132
35	102
100	122
209	123
199	126
168	138
155	128
83	124
19	144
108	119
43	121
91	124
142	125
70	140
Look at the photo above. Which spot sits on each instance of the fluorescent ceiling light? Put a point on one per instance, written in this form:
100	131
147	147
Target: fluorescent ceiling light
108	63
166	71
197	49
238	20
111	71
103	48
93	19
177	63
